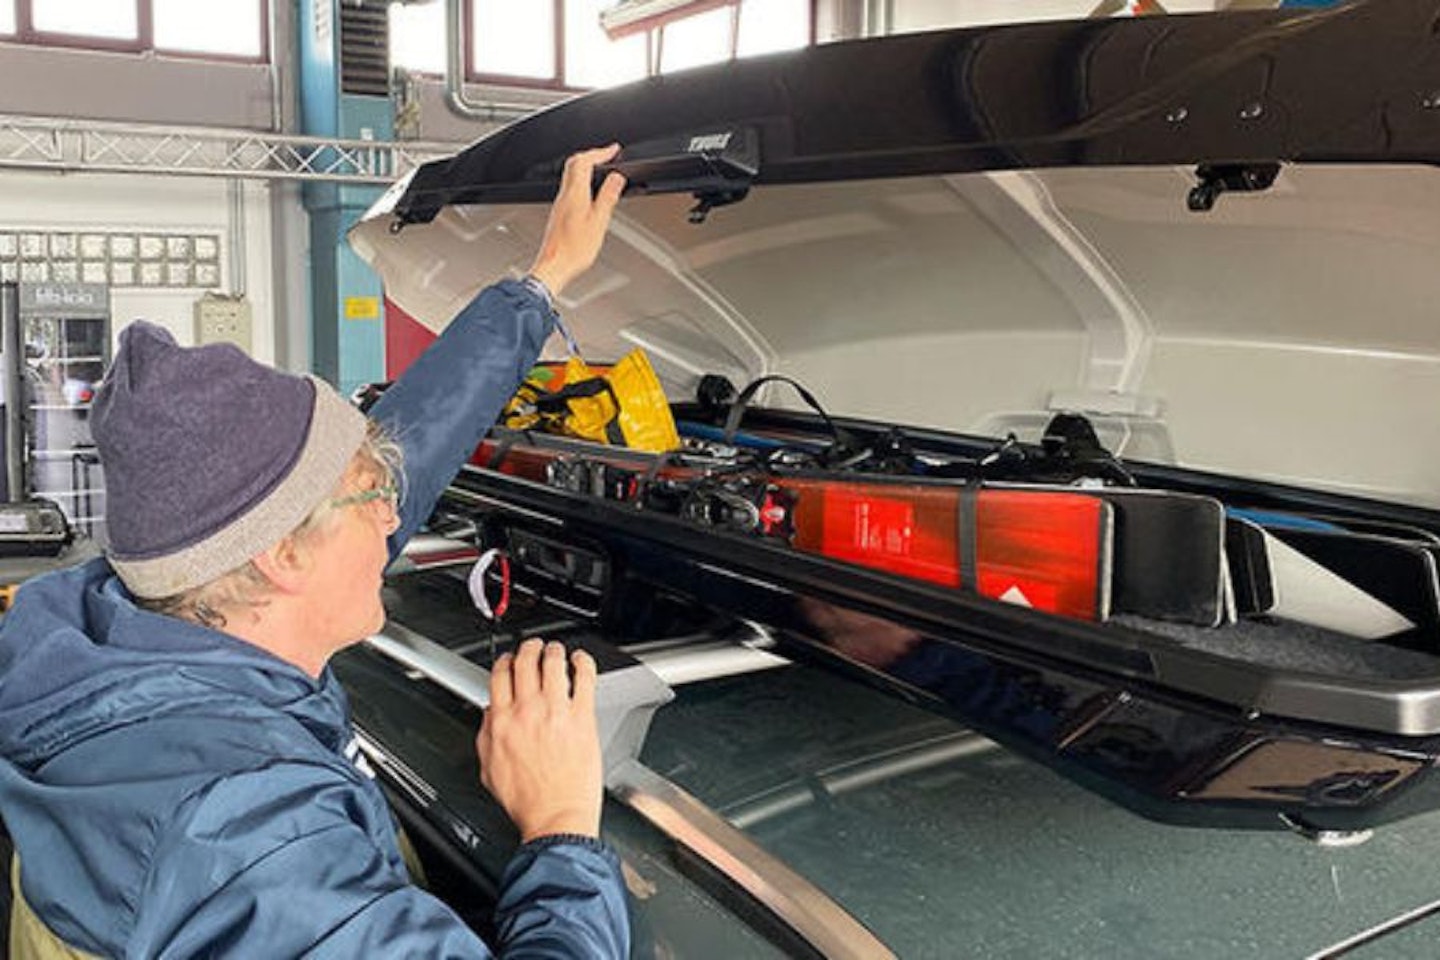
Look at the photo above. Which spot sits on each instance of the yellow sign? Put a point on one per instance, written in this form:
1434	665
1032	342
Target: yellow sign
362	308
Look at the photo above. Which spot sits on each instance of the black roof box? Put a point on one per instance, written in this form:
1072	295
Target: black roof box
1351	83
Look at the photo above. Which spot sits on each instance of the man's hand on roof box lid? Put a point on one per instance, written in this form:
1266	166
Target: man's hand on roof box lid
578	221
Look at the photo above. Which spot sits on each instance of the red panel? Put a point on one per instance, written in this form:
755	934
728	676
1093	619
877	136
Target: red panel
1045	550
405	339
1048	547
912	531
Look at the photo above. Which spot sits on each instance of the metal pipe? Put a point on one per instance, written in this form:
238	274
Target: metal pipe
681	660
455	99
708	661
288	249
12	345
467	681
53	129
235	195
879	18
857	775
277	112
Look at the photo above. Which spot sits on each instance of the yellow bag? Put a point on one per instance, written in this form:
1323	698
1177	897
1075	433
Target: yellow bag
623	406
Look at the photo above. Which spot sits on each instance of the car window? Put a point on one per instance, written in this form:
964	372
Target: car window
948	844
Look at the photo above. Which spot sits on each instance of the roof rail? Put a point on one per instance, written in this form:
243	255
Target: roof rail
807	910
627	696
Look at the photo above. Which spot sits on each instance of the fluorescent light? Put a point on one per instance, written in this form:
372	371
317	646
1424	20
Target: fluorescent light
634	16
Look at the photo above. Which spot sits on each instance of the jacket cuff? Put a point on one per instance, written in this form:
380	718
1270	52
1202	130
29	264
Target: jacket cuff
537	286
592	844
529	289
564	895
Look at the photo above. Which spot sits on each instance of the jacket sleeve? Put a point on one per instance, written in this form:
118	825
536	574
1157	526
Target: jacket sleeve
295	860
287	860
563	896
440	408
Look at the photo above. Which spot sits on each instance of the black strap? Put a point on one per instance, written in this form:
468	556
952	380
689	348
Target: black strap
556	402
969	527
740	403
590	387
501	451
613	433
651	474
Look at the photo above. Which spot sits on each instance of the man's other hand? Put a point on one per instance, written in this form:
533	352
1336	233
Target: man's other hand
578	221
539	746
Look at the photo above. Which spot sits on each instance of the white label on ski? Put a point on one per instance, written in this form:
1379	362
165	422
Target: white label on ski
1015	596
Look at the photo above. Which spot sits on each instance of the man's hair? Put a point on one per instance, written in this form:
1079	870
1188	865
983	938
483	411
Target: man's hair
245	585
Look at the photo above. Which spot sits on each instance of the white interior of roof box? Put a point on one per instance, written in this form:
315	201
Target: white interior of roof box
1288	335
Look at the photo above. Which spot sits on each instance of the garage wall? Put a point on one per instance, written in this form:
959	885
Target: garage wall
48	82
111	202
152	88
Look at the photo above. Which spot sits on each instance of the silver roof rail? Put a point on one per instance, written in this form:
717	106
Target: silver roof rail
680	660
803	907
626	699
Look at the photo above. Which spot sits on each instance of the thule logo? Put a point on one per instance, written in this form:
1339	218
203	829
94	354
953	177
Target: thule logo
710	141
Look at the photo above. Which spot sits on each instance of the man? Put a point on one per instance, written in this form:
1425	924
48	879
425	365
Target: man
177	769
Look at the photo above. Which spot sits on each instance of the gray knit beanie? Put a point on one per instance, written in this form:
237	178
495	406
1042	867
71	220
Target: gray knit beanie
209	457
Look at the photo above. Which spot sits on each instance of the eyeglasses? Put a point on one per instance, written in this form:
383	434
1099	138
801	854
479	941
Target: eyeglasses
388	493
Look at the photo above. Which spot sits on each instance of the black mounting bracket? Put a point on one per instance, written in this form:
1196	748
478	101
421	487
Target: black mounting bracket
707	200
1218	178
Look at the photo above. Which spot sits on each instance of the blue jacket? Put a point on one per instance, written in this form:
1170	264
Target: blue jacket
173	791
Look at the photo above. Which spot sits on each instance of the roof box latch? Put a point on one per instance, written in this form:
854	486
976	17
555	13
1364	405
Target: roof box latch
1218	178
717	167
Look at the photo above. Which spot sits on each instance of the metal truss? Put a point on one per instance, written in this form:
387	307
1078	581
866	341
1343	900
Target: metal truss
43	143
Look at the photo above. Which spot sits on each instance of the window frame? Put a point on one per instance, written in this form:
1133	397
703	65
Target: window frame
558	82
555	82
143	43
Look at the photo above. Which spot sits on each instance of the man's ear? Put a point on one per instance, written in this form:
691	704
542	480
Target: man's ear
287	565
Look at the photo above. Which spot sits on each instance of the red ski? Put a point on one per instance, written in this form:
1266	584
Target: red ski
1041	549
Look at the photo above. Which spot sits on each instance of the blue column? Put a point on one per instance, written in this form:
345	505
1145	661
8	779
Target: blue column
347	341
